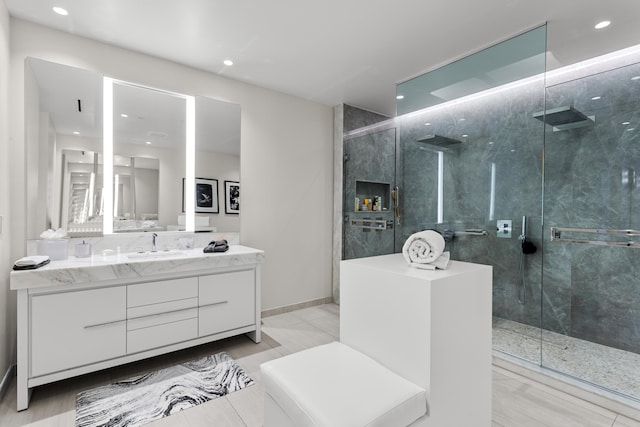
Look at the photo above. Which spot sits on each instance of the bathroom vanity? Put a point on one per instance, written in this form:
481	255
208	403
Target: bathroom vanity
85	314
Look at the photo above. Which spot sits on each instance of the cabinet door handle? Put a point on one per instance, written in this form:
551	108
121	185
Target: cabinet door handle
161	314
97	325
214	303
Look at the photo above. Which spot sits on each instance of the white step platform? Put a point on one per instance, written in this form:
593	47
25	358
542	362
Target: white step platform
426	332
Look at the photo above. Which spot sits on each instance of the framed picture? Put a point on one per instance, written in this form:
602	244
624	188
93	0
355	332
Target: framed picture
231	197
206	195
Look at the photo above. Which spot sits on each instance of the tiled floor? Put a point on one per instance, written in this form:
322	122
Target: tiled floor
613	369
517	402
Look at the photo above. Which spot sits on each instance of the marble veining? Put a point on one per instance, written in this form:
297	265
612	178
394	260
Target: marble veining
590	181
99	268
144	398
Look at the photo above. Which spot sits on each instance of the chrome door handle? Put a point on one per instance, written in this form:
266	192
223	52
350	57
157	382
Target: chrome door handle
395	196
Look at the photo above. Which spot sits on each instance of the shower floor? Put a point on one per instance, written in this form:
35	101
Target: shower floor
610	368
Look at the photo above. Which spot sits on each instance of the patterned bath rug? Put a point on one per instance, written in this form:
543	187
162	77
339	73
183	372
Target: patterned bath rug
139	400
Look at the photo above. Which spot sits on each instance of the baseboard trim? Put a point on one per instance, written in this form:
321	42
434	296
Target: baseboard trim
612	401
6	380
298	306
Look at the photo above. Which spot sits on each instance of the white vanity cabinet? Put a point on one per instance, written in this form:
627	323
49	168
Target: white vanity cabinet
76	317
227	301
72	329
161	313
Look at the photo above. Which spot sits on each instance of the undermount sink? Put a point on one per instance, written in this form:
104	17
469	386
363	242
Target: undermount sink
158	254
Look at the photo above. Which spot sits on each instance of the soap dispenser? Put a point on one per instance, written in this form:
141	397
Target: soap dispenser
83	250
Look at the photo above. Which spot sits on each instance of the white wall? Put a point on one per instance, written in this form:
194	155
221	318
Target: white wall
7	314
286	157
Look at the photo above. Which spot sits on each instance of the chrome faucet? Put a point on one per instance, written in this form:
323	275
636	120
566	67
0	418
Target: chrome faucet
153	242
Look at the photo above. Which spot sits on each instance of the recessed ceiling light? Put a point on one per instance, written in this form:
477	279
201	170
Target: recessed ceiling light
75	132
602	24
60	11
595	98
400	97
124	115
228	62
626	123
465	135
148	142
427	124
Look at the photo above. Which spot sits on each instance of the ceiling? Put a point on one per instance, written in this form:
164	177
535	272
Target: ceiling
336	51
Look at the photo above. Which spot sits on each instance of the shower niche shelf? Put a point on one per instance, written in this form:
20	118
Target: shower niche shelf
369	190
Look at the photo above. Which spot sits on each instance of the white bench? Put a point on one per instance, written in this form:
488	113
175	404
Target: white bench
333	386
408	337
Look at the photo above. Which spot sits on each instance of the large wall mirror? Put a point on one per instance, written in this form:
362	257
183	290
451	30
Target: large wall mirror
64	127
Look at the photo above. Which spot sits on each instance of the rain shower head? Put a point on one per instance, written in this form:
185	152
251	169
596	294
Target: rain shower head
563	118
439	142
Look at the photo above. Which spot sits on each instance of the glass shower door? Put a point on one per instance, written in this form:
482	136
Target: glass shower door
369	180
591	321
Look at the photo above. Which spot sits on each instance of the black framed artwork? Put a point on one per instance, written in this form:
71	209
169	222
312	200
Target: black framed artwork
231	197
206	195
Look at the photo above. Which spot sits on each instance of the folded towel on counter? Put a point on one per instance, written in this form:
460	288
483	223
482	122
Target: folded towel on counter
31	262
216	246
425	250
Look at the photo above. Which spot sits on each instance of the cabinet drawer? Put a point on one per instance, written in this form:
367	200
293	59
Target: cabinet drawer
180	326
162	291
227	301
160	308
77	328
160	319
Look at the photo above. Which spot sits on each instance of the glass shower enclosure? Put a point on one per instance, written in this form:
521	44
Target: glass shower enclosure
532	172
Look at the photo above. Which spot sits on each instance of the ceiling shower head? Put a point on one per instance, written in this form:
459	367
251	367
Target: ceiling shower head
439	142
563	118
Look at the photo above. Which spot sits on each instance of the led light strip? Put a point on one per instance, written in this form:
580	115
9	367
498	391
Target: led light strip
107	149
190	181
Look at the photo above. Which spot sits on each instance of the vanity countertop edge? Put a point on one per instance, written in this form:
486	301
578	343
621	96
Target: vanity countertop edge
110	268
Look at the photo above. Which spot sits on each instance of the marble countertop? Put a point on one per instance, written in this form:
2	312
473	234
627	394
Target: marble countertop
114	267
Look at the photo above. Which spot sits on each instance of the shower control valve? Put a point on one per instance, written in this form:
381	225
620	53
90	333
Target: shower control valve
504	228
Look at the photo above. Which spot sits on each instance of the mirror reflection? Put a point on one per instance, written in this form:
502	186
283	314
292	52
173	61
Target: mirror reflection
218	158
136	194
63	121
149	153
82	190
63	108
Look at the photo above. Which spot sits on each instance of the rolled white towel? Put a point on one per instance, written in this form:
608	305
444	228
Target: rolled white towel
425	250
442	263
